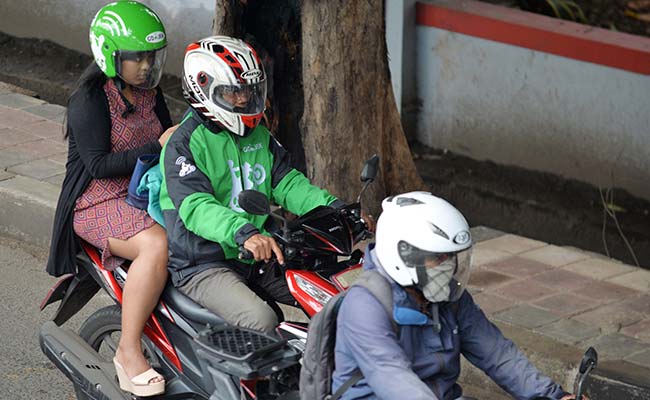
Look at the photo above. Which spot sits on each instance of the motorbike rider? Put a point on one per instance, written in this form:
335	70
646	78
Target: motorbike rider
423	248
117	113
219	150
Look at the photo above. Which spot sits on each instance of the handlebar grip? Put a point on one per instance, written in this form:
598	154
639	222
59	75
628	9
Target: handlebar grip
245	254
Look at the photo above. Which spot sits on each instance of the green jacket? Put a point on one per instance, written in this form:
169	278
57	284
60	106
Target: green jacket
204	170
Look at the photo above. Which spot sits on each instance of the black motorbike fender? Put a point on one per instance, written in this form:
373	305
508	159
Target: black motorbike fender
92	376
74	291
58	291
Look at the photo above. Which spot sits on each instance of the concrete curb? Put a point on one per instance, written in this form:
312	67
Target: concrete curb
28	209
609	383
611	380
556	360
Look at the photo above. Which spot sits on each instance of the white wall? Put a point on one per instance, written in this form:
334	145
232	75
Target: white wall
185	22
400	40
394	16
516	106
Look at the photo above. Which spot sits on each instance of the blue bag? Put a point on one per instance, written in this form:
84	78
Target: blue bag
140	199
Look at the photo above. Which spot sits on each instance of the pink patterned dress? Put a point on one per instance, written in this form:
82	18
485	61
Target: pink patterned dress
102	212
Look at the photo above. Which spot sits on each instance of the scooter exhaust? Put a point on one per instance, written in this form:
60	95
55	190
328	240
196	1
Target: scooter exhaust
80	363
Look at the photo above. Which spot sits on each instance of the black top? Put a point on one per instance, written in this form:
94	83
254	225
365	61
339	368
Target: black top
89	156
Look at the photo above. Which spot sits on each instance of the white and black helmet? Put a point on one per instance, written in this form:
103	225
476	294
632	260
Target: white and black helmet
424	241
223	78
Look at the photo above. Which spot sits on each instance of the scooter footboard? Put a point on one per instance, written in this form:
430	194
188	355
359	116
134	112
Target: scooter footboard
79	362
245	353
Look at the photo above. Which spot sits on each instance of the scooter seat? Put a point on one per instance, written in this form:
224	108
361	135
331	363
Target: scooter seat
188	308
173	297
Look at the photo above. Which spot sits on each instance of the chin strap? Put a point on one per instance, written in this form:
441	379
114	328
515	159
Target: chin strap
130	108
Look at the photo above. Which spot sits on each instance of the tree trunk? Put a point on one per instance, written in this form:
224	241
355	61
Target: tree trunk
336	105
350	111
227	19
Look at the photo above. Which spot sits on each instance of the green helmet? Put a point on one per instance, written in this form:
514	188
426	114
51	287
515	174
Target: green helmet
128	30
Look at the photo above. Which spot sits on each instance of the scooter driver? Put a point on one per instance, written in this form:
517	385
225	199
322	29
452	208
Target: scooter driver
219	150
423	248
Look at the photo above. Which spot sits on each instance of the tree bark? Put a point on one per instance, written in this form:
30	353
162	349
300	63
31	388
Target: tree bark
227	18
350	111
338	101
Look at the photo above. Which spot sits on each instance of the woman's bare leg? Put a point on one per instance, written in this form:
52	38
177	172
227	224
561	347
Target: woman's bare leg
145	281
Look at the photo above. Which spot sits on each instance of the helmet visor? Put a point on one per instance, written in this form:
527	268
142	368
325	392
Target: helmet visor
244	99
441	276
142	69
461	276
414	257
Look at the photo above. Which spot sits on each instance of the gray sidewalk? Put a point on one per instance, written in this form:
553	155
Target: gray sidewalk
552	301
32	164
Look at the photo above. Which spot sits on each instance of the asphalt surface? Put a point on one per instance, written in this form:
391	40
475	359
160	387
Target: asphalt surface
25	372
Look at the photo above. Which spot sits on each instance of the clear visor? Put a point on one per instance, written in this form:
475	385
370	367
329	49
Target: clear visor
455	266
142	69
246	99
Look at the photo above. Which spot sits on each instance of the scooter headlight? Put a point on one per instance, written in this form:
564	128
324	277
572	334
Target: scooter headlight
314	291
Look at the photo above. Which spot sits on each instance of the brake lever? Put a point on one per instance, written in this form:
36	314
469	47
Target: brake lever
245	254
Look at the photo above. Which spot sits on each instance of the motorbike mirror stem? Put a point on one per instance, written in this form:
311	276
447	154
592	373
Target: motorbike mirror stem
357	210
256	203
283	220
588	363
363	189
368	175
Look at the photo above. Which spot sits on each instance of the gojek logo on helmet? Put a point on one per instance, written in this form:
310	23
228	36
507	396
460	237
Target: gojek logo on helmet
112	22
96	44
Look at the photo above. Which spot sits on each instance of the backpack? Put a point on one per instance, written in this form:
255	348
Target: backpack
318	358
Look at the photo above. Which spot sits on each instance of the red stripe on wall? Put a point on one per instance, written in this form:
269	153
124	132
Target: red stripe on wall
538	32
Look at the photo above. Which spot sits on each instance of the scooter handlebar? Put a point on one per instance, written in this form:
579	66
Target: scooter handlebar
245	254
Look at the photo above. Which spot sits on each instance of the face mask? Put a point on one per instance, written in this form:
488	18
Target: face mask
436	287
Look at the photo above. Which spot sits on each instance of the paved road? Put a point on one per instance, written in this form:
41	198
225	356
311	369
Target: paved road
25	373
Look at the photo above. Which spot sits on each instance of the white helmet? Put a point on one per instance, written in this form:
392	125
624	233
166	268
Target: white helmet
223	78
424	241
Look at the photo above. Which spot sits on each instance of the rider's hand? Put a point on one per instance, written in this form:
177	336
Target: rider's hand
263	248
165	136
369	220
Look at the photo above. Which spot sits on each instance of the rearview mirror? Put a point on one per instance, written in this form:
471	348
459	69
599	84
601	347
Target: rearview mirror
254	202
590	359
369	172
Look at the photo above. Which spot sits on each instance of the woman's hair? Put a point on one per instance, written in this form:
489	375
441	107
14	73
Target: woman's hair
91	78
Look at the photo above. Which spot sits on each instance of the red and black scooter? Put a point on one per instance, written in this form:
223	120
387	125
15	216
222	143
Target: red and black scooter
198	353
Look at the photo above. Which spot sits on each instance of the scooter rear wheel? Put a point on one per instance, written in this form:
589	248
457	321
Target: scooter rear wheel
102	332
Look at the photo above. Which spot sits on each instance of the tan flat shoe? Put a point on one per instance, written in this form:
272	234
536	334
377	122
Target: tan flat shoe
140	385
